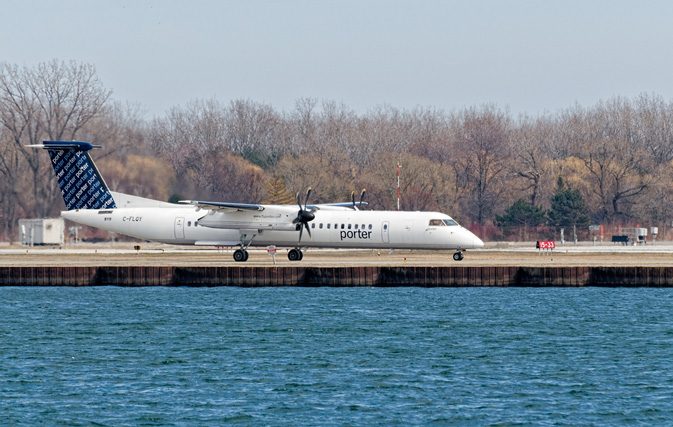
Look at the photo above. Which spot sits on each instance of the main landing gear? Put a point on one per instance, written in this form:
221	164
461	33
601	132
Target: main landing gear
240	255
458	256
295	255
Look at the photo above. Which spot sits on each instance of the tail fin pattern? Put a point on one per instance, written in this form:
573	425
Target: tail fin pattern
81	184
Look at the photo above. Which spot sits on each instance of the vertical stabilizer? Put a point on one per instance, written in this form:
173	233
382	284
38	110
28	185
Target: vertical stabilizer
81	184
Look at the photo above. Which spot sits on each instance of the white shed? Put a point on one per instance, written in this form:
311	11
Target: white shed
42	231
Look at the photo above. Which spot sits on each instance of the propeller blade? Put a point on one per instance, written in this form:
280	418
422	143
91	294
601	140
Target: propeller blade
353	198
304	215
362	196
308	193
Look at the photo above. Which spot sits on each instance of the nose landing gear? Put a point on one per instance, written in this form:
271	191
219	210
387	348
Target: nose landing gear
458	256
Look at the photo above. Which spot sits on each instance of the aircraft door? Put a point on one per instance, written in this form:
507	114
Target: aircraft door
179	228
385	228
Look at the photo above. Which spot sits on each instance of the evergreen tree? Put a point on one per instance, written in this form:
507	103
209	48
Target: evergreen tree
277	193
567	207
521	213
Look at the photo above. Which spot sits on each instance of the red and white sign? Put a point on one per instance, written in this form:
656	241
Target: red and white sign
542	244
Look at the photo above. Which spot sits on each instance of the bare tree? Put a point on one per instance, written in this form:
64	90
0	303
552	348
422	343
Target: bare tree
232	178
303	123
121	130
653	129
532	157
311	170
482	149
618	166
195	142
12	186
424	184
432	136
187	136
251	130
53	100
145	176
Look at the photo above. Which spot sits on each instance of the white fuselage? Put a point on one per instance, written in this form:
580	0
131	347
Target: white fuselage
331	228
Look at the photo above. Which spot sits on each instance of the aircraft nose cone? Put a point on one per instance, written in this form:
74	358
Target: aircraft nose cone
470	240
477	242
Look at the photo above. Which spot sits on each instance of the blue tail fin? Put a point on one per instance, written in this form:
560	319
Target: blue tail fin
81	184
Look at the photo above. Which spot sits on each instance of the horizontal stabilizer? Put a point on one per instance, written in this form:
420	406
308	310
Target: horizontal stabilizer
66	145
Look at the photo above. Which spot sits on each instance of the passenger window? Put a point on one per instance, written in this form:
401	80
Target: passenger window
328	226
189	223
370	226
356	226
196	223
320	226
349	226
385	226
343	226
313	225
363	226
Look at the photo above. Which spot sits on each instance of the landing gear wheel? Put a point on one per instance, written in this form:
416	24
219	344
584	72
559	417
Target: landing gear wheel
458	256
295	255
240	255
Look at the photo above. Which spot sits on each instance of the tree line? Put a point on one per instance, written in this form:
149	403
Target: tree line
476	164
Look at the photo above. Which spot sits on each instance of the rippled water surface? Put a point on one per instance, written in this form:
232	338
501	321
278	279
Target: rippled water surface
345	356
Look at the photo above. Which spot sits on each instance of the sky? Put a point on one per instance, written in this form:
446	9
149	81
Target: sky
530	57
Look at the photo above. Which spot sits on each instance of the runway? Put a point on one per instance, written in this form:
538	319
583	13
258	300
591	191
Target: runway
496	255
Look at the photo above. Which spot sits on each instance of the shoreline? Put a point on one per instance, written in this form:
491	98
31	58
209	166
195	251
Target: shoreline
255	276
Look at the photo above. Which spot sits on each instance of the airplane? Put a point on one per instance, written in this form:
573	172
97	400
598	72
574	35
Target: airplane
89	201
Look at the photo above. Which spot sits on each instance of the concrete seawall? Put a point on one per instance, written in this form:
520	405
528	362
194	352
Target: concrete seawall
253	276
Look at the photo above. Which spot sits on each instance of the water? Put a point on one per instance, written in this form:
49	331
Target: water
346	356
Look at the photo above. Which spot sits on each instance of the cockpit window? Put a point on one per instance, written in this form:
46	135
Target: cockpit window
442	222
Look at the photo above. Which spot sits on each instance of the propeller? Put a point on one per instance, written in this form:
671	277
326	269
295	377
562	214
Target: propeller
362	196
304	216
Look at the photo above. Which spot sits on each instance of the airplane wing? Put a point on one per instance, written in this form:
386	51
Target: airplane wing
327	206
219	215
228	207
223	207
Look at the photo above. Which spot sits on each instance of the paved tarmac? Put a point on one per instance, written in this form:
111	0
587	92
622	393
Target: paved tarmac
494	254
